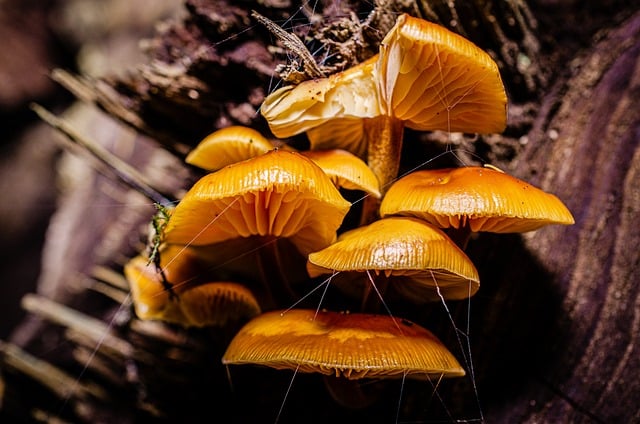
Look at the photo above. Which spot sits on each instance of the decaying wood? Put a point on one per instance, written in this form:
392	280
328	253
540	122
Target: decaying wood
554	327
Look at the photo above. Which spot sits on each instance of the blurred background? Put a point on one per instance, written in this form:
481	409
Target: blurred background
94	37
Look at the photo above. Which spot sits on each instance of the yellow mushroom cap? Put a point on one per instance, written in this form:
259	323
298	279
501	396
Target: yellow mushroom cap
344	133
217	303
414	250
226	146
279	194
485	198
434	79
345	170
353	346
196	304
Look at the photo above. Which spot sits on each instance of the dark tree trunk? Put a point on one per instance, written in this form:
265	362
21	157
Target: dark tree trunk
581	330
554	327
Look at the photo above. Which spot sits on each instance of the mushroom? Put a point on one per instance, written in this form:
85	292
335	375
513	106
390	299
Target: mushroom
421	261
226	146
474	199
424	78
352	346
279	194
345	170
196	302
274	208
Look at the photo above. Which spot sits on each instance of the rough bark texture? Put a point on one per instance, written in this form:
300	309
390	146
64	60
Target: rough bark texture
585	148
554	326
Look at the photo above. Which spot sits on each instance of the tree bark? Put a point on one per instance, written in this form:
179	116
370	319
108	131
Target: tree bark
553	329
581	334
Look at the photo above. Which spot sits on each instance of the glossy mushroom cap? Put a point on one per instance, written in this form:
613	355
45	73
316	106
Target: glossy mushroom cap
345	170
352	346
434	79
484	198
278	194
421	257
226	146
192	303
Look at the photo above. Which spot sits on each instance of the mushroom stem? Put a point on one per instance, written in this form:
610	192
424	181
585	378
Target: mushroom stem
374	290
270	265
384	135
351	393
460	235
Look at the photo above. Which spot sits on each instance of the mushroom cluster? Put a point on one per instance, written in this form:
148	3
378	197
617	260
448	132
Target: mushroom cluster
266	220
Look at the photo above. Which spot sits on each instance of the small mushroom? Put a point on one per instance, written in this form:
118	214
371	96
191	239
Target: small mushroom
425	78
417	257
352	346
345	170
480	198
182	295
226	146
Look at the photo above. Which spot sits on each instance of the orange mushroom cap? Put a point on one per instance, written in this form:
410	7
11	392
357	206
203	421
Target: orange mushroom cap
344	133
434	79
422	256
197	303
279	194
292	110
485	198
345	170
226	146
352	346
